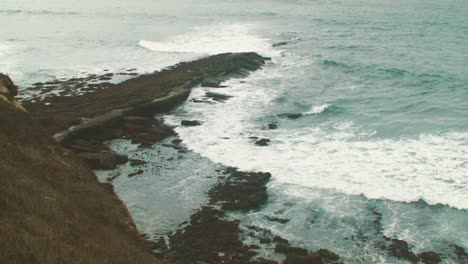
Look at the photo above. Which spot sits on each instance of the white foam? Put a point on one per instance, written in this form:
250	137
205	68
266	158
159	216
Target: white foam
318	109
214	39
431	167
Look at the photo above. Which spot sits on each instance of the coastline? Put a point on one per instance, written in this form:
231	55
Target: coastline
126	111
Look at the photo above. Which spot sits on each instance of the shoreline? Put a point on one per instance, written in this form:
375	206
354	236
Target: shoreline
82	124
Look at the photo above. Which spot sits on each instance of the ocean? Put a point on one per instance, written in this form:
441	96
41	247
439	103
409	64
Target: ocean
378	91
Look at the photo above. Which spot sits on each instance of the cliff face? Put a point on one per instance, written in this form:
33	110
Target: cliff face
52	208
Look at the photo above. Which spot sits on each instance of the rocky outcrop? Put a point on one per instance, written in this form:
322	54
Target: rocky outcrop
8	92
68	117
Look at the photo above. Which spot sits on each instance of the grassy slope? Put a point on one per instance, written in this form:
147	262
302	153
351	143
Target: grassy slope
52	208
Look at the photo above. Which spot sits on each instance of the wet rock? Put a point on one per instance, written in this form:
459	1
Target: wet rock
176	141
285	249
137	162
327	254
277	219
217	96
241	191
399	248
135	173
262	142
191	123
293	116
211	82
462	255
281	43
429	257
312	258
272	126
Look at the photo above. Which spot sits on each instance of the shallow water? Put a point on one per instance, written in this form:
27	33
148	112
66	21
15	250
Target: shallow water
381	88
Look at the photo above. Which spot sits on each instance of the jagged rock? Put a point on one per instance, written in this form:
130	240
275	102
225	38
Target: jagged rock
8	91
312	258
190	123
429	257
399	248
242	191
262	142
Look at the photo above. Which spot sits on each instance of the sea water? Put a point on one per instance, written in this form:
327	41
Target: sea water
381	88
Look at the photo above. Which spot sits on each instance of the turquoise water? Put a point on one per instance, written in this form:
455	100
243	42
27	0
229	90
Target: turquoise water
381	86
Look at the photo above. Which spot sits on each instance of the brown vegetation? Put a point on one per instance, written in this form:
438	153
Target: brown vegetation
52	208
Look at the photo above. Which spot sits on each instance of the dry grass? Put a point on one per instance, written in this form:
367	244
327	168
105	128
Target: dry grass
52	208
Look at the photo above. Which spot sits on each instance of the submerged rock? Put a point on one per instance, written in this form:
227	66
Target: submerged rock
294	116
262	142
272	126
217	96
191	123
280	43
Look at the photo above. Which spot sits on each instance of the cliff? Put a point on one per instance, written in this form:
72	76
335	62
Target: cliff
53	209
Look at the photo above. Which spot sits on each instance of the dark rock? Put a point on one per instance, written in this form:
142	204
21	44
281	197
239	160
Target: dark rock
293	116
217	96
262	142
241	191
461	253
429	257
277	219
312	258
285	249
281	43
272	126
190	123
280	240
399	248
136	173
263	261
327	254
176	141
211	82
137	162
